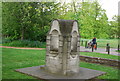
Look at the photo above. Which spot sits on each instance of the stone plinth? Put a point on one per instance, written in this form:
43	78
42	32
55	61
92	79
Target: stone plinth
35	71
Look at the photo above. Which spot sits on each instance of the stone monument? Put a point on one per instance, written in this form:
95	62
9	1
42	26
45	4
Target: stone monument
63	46
62	54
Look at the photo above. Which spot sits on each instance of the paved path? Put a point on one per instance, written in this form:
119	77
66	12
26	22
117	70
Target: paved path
82	49
100	50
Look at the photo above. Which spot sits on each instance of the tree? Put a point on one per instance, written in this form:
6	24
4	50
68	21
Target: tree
31	20
114	30
28	20
93	20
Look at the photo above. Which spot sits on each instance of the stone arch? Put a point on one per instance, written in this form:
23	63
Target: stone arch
74	41
54	42
75	27
55	26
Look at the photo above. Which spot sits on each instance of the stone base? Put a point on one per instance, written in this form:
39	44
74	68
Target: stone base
41	74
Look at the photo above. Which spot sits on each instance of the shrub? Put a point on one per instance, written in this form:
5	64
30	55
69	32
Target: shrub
25	43
6	40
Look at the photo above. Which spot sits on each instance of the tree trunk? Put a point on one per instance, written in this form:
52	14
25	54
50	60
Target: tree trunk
22	34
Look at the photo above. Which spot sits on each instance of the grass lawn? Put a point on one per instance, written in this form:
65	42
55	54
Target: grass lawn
102	42
118	51
94	54
19	58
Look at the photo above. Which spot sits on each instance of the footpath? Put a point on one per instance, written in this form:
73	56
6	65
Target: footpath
82	49
100	50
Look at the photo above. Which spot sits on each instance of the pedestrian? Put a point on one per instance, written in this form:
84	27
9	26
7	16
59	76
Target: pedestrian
94	42
89	44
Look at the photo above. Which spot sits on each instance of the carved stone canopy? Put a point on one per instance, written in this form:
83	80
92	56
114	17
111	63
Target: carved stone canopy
62	56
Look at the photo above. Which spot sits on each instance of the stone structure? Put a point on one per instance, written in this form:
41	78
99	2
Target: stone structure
63	46
62	54
103	61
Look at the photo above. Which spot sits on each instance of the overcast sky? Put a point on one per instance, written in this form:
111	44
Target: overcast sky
111	7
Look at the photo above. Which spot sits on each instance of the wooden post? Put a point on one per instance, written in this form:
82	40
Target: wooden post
118	47
82	43
85	44
92	47
96	46
108	48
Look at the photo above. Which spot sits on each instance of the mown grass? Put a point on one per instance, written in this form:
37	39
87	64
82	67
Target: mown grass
118	51
100	55
111	73
102	42
16	58
19	58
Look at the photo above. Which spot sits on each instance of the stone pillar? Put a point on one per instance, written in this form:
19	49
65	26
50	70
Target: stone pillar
63	46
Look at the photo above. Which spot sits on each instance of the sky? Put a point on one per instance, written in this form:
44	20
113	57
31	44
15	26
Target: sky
111	7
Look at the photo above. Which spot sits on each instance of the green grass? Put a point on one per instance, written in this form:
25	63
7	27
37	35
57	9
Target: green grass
19	58
102	42
94	54
111	73
113	42
118	51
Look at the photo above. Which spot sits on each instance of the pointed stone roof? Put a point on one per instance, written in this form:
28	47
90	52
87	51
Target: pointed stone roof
65	26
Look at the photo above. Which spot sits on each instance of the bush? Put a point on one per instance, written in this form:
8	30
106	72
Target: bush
25	43
6	40
118	51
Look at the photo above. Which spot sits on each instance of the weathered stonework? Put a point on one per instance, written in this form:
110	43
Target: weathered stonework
103	61
62	55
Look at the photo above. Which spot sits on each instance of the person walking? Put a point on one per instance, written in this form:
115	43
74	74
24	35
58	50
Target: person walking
94	42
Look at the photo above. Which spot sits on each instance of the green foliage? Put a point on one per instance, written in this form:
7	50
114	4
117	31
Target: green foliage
93	21
18	58
118	51
6	41
25	43
28	20
31	20
114	31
